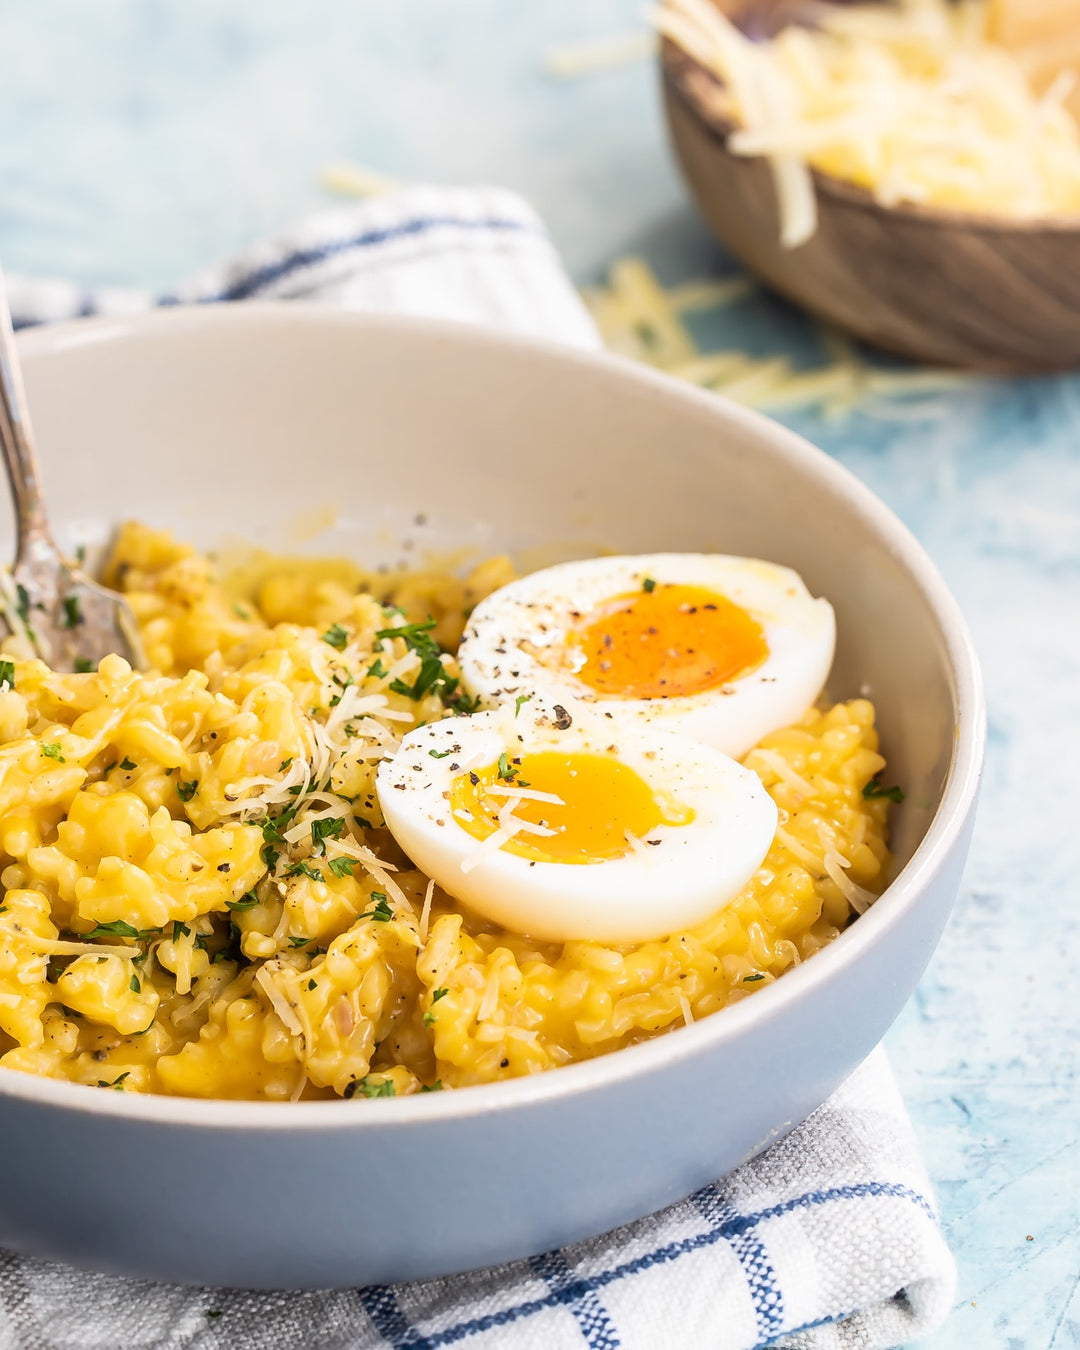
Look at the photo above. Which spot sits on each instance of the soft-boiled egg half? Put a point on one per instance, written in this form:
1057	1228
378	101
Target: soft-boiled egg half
562	822
719	648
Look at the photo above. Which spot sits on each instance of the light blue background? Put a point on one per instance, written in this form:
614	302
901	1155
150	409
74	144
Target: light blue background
141	139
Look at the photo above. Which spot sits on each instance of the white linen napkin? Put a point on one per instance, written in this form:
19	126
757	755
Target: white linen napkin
829	1239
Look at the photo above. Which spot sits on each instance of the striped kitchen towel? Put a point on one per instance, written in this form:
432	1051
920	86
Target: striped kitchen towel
829	1239
480	255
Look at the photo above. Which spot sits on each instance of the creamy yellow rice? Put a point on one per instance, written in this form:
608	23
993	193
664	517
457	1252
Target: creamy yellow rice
145	946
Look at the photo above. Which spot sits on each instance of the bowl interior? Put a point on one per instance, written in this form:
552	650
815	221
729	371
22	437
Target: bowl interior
391	441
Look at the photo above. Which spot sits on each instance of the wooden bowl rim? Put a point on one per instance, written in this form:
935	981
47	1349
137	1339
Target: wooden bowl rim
675	63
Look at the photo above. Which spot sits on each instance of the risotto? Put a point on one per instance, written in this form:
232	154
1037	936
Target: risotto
201	899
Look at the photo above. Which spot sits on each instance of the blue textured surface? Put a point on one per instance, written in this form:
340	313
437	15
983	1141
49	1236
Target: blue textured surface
144	138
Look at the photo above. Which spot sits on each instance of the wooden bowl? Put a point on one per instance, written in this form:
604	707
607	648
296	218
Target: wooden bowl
942	287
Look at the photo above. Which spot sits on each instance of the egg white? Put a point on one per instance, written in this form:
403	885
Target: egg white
516	642
672	880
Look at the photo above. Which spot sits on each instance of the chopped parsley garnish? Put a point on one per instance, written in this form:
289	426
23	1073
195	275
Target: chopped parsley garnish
299	941
432	676
73	615
331	827
507	771
84	666
460	703
51	750
520	701
875	790
185	791
312	984
337	636
304	869
408	631
272	829
429	1017
648	585
179	930
364	1087
128	764
342	686
23	604
376	670
247	901
434	1087
342	867
751	979
117	1083
281	768
134	984
241	611
7	674
432	672
118	928
382	913
440	754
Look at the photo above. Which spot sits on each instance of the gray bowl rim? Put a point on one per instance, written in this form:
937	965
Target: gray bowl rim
772	1002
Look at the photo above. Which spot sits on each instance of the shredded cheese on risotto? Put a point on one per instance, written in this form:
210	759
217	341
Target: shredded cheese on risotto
199	896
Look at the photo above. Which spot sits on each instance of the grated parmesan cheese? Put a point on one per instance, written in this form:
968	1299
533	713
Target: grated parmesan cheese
589	58
425	913
353	180
510	826
639	318
523	794
782	769
280	1004
857	897
911	100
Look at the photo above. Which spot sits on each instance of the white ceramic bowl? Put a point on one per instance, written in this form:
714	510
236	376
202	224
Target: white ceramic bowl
232	423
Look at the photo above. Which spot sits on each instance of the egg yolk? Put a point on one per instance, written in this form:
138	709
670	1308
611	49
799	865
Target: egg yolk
666	641
593	804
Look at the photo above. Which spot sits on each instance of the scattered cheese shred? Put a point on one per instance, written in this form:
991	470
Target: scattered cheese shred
857	897
640	318
265	980
425	913
910	100
784	772
353	180
524	794
589	58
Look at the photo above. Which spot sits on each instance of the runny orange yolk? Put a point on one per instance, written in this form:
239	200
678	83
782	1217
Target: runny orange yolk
667	641
600	803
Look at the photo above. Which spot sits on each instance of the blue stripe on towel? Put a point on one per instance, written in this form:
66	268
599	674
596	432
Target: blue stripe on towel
380	1303
753	1257
592	1317
247	286
401	1336
250	284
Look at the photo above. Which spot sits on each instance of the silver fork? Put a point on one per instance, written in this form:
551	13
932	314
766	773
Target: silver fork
68	620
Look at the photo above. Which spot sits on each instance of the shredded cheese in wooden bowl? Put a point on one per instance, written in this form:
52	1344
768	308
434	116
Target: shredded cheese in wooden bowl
912	101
